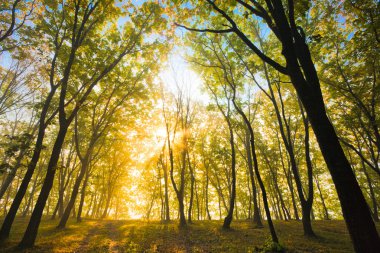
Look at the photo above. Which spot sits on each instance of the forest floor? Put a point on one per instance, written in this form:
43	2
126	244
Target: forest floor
201	236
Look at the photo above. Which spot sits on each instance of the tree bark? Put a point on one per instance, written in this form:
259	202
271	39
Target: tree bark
82	196
32	229
228	218
256	210
167	209
74	194
192	181
9	179
206	194
355	209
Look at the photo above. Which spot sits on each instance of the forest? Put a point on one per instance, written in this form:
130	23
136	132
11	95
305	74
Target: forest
189	126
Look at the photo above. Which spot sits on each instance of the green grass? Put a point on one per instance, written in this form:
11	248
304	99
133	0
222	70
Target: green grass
201	236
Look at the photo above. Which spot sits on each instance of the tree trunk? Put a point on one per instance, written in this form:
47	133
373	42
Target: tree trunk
206	195
228	218
74	194
257	172
9	179
55	211
179	192
197	201
192	181
167	210
182	218
289	181
82	196
289	145
326	212
303	75
256	210
32	229
31	195
354	207
307	203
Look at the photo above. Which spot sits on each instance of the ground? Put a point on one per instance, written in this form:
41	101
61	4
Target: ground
154	236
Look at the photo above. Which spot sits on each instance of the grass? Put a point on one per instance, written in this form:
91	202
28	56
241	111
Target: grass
201	236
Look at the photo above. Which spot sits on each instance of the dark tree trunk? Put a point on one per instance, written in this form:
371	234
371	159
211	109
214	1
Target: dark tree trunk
262	187
326	212
289	145
9	179
197	201
31	194
32	229
282	202
192	181
256	167
179	192
61	190
276	204
167	210
256	210
220	208
289	181
307	203
228	218
28	204
276	189
60	203
6	201
295	209
182	218
73	213
355	209
55	211
82	196
74	194
236	211
206	195
303	75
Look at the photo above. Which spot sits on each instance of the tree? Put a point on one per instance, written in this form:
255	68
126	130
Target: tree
85	22
281	20
14	14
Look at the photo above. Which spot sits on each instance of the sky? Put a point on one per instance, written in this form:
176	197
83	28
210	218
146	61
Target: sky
177	69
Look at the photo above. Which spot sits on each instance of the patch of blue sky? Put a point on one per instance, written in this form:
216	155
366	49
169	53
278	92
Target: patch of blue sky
5	59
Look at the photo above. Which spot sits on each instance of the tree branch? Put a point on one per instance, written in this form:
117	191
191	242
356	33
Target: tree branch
206	30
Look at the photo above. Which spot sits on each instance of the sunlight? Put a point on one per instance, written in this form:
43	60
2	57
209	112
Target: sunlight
159	135
178	72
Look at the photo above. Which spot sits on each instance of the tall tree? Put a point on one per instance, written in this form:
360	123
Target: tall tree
86	20
281	20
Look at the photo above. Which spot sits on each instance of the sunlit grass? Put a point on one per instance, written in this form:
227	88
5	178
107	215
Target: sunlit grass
201	236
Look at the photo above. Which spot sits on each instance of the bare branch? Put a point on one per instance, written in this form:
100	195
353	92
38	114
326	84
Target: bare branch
206	30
